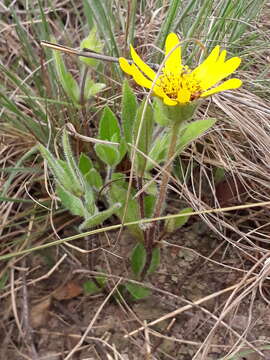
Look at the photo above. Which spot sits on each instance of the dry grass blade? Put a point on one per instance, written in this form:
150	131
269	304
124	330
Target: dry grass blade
210	298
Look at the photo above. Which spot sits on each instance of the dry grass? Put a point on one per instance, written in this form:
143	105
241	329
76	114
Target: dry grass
229	316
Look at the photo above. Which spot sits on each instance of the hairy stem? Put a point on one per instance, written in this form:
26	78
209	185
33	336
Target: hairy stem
83	100
151	235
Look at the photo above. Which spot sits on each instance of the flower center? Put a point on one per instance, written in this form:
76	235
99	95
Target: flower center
173	84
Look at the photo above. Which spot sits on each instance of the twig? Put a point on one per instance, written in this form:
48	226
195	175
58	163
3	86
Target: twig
190	306
28	338
86	53
89	327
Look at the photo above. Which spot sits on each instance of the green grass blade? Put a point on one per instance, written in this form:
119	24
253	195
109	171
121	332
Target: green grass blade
100	13
167	25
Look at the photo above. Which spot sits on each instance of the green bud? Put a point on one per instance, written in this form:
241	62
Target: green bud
182	113
92	42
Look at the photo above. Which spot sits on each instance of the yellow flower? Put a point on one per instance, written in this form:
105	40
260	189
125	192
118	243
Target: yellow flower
178	84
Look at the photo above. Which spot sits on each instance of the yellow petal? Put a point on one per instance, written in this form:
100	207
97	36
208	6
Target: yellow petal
227	85
141	65
140	78
222	57
232	64
135	73
173	63
168	101
183	96
204	69
125	66
219	71
159	92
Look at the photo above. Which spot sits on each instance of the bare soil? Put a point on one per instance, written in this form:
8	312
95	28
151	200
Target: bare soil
55	312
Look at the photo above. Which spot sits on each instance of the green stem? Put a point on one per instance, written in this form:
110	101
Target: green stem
151	236
83	100
167	171
82	85
141	196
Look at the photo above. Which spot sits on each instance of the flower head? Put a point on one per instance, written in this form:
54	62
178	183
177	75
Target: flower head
177	84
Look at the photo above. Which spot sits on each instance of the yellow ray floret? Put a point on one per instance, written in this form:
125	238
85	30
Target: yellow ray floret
179	85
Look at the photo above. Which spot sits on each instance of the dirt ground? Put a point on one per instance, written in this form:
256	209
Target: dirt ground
210	296
195	264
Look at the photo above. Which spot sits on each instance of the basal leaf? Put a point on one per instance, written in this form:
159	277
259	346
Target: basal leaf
70	201
74	172
91	288
177	222
90	203
92	88
138	259
138	292
155	261
59	171
118	192
85	164
94	179
108	125
98	218
108	154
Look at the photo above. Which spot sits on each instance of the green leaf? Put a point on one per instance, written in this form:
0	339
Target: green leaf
152	188
128	112
145	138
176	223
91	288
219	175
155	261
108	125
73	169
85	164
159	150
92	42
160	112
149	204
122	148
193	130
90	201
94	179
108	154
137	291
70	201
68	83
118	192
101	280
98	218
138	259
56	167
92	88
